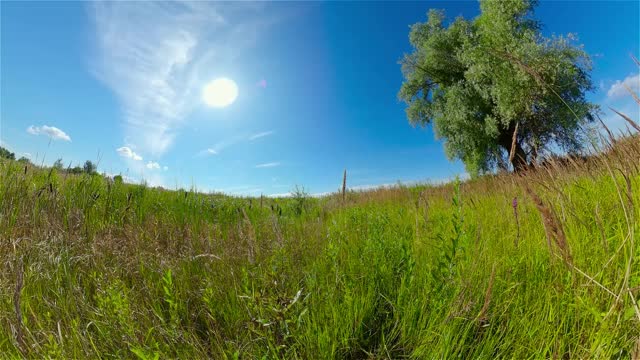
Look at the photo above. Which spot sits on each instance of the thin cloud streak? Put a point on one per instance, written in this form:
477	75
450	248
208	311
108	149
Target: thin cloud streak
261	135
208	152
220	146
267	165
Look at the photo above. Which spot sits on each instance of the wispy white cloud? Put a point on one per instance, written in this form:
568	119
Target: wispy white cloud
208	152
152	165
50	131
156	56
126	152
231	141
165	168
261	135
221	145
618	89
268	165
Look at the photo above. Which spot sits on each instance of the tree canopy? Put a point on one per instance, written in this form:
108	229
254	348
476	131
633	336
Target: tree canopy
494	88
89	167
6	154
24	160
58	165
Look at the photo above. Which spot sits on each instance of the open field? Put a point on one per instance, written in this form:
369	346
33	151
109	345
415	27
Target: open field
540	265
522	245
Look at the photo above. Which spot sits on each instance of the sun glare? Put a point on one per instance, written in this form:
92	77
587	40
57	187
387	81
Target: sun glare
220	93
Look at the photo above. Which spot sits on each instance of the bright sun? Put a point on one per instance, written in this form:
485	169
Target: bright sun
220	92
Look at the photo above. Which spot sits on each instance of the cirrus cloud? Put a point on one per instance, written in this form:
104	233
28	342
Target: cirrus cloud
261	135
268	165
208	152
156	56
50	131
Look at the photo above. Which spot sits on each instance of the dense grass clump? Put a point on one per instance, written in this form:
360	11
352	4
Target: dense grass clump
545	264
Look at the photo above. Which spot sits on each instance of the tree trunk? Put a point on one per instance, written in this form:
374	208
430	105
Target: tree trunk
519	160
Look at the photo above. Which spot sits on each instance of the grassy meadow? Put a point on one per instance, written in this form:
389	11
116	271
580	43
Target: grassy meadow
539	265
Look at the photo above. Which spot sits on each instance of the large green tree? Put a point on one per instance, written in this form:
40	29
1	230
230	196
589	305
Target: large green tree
494	88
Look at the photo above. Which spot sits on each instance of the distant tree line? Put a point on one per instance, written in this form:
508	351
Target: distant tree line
6	154
89	167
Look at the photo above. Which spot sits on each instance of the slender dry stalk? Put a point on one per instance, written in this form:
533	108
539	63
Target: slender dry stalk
344	185
512	153
16	304
629	192
634	303
249	234
612	139
60	334
552	227
605	243
514	204
634	95
207	256
591	279
629	218
482	316
628	119
276	229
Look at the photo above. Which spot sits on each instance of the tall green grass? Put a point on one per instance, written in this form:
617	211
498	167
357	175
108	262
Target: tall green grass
97	269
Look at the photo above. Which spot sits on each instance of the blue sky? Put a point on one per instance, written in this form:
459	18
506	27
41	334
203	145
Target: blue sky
121	83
